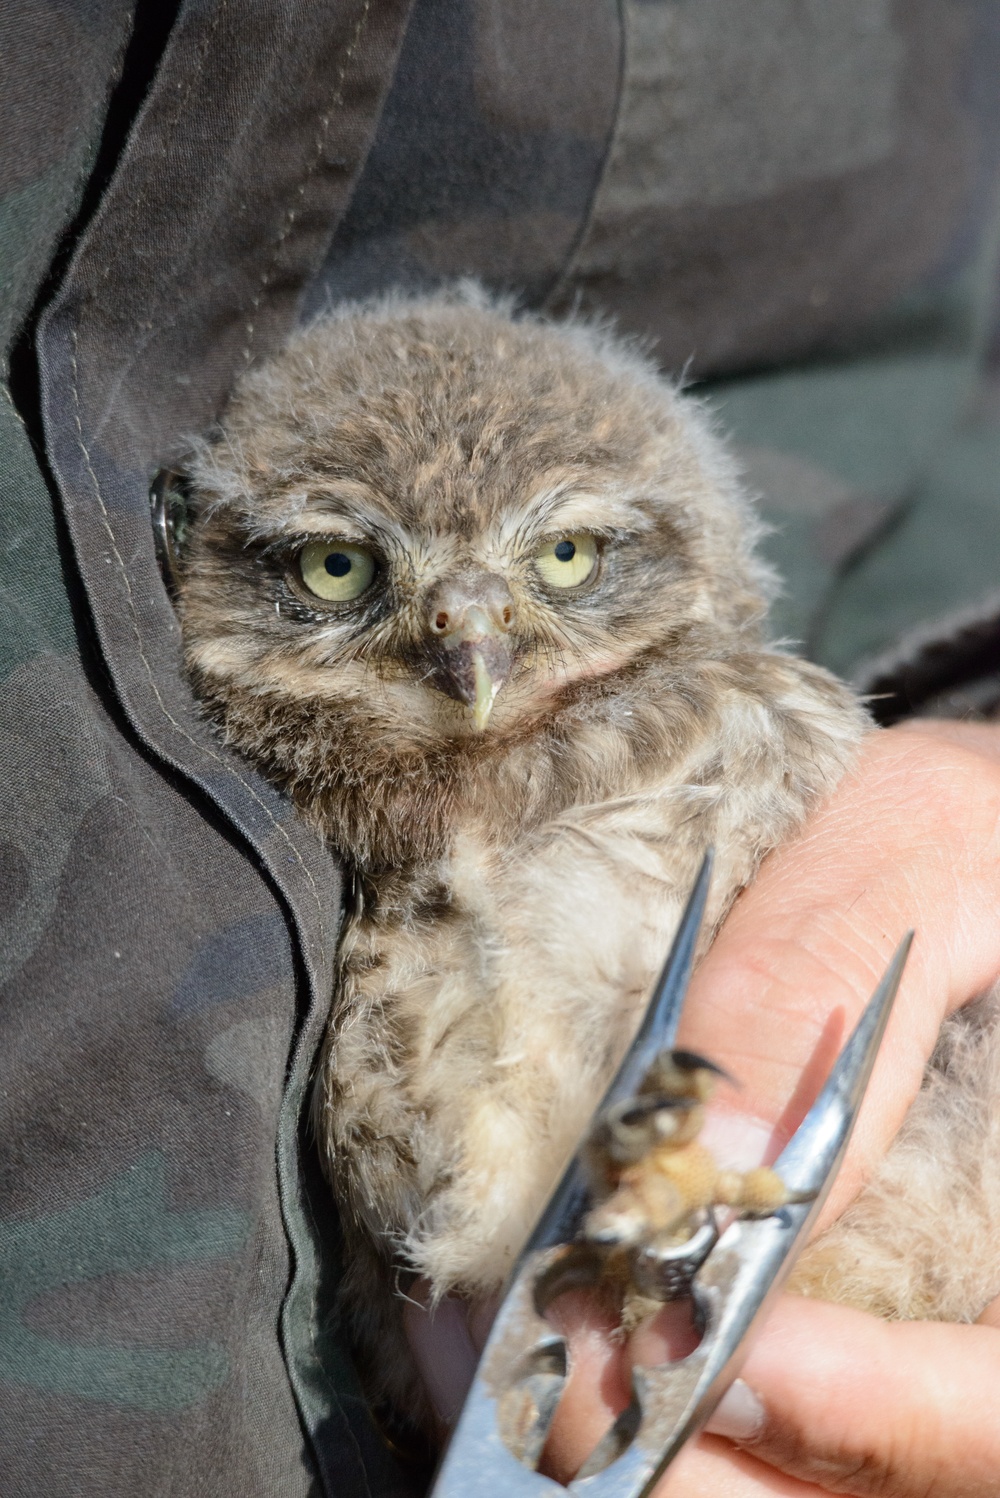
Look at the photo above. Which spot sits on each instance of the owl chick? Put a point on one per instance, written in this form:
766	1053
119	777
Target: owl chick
479	592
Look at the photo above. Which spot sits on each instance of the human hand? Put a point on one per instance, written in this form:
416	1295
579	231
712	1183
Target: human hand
830	1401
841	1402
909	838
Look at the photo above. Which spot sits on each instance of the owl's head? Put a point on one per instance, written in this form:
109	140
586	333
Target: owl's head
451	520
432	536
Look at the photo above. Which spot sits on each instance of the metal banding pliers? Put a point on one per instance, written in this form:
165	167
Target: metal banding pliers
730	1276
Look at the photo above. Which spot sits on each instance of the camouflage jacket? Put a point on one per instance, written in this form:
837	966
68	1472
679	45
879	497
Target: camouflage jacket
798	201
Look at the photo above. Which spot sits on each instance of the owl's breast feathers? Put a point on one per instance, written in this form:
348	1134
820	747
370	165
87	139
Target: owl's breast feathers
489	987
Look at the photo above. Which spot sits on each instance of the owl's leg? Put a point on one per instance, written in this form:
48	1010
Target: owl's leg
370	1305
469	1046
449	1100
365	1126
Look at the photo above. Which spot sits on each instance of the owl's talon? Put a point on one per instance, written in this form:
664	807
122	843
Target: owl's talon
665	1270
655	1184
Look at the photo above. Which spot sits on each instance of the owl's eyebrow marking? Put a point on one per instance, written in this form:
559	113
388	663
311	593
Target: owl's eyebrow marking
326	523
571	506
350	511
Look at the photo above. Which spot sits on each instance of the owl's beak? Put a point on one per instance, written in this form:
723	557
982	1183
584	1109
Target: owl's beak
485	686
471	647
474	664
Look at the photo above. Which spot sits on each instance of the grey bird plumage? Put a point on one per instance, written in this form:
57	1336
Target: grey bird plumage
480	593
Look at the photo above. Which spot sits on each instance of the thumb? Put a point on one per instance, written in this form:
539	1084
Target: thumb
871	1408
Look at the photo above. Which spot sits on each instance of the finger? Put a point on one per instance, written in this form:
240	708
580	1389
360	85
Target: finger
598	1389
871	1408
910	838
830	1401
712	1468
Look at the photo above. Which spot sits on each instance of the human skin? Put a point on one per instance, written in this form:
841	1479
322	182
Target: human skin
836	1401
833	1401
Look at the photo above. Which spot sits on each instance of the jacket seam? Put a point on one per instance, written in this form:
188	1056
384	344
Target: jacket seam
137	631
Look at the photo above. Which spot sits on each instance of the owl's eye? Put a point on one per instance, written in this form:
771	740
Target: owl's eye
335	570
567	561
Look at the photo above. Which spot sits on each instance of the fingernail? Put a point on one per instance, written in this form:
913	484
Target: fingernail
739	1415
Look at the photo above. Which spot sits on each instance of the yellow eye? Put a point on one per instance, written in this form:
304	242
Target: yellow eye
336	570
567	561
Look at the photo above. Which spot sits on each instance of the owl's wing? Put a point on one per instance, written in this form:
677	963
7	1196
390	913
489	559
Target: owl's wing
503	1426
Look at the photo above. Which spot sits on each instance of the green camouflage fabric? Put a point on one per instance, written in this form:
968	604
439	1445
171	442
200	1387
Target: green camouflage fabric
167	927
800	208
